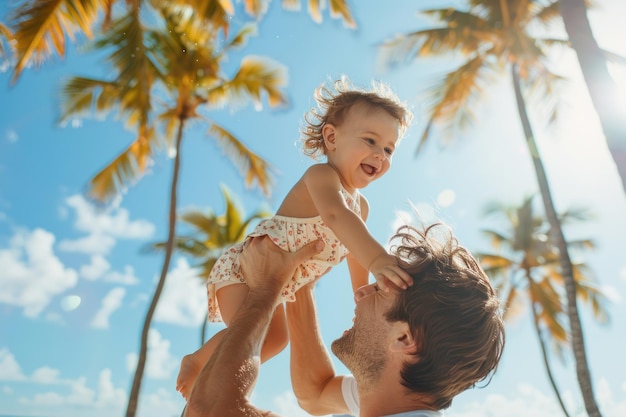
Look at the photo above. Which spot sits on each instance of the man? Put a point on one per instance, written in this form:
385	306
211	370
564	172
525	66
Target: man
410	351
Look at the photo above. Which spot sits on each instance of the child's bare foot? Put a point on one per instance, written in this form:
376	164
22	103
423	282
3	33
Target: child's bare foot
190	367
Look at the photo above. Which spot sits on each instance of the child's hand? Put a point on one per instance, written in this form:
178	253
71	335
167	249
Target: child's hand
385	269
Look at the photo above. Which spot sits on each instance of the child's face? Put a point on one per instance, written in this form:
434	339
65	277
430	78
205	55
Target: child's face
361	147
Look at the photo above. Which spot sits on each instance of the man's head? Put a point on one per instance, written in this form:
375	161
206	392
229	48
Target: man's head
334	103
451	316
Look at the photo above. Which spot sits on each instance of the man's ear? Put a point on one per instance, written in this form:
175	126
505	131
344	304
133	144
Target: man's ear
328	132
403	340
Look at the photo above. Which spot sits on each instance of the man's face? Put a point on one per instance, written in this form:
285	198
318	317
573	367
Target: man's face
364	347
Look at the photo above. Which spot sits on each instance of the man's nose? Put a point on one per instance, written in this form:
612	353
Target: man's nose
364	291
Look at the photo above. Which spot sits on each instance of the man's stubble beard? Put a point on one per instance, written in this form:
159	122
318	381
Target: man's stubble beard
363	355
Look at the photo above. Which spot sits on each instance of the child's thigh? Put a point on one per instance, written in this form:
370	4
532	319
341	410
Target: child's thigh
230	298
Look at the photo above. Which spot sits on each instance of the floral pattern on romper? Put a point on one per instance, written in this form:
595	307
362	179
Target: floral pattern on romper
289	234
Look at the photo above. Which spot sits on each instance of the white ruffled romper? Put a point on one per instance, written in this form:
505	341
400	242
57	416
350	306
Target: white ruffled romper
289	234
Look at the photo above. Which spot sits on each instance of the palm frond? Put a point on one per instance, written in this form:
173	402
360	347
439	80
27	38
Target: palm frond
125	169
82	96
451	101
42	27
494	263
213	13
548	13
542	85
497	239
449	39
256	77
581	244
5	34
241	37
613	57
134	71
588	292
340	9
254	168
255	8
578	214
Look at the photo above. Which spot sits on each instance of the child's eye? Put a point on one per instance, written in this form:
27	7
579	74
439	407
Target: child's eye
388	151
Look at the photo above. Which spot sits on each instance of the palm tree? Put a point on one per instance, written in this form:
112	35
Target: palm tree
179	64
492	36
600	85
44	27
525	265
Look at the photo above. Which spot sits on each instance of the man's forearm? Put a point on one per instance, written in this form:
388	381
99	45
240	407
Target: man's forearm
313	378
223	386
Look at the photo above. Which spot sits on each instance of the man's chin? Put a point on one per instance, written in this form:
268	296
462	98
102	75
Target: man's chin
342	345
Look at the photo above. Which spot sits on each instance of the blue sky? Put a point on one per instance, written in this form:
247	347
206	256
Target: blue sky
74	285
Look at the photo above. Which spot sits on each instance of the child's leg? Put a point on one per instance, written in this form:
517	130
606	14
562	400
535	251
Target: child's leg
230	299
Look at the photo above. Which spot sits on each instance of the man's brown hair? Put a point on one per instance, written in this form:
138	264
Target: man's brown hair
452	311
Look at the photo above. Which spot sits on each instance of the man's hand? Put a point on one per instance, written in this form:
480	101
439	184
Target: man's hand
267	267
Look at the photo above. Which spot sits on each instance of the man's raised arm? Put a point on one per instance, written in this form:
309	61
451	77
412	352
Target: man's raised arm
224	384
313	378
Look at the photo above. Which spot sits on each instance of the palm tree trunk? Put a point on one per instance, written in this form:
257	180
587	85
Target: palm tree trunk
600	85
544	353
556	234
133	398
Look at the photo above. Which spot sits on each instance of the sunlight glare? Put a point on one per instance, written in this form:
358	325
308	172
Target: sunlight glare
70	302
446	198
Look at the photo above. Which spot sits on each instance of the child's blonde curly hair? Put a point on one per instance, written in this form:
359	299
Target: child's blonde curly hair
333	104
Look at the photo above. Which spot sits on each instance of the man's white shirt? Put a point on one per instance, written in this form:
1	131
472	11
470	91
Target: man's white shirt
351	398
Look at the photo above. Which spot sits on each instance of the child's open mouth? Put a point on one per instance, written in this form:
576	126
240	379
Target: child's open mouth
368	169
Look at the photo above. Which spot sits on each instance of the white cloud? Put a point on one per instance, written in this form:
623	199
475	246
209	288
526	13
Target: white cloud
111	302
108	395
528	401
103	226
105	396
160	363
46	375
287	405
45	399
96	243
9	368
95	269
183	300
99	268
31	273
161	403
127	277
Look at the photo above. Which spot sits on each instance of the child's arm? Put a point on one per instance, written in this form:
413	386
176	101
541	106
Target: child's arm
359	275
323	185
